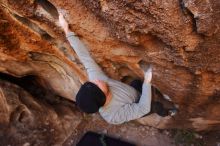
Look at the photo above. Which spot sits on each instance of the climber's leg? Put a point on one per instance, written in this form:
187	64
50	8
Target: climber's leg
156	106
137	84
164	105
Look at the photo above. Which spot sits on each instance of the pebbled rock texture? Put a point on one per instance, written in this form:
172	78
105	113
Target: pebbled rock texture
27	120
181	38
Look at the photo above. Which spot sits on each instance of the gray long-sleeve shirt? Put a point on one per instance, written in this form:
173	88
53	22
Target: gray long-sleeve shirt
124	105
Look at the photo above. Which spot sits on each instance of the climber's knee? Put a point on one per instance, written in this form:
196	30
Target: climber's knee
137	84
157	107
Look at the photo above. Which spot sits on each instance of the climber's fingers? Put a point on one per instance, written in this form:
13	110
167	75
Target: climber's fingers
148	74
62	20
63	23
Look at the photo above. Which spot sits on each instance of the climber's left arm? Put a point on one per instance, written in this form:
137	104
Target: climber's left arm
93	70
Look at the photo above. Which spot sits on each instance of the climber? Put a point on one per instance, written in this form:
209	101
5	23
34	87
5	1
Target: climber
116	102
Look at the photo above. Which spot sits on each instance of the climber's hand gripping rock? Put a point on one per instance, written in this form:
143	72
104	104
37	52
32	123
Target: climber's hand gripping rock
63	23
148	74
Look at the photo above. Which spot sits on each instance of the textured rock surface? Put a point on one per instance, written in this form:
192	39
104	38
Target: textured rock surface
180	38
31	121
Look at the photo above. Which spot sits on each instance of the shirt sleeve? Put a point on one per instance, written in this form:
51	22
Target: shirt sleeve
92	68
134	110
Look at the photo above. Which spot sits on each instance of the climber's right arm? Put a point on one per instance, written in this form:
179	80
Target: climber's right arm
92	68
134	111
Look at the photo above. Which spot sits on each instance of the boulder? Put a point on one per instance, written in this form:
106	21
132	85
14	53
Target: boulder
179	38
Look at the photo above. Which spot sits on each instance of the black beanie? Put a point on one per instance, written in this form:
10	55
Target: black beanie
90	98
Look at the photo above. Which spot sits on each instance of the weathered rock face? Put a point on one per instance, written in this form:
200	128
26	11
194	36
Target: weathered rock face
26	120
180	39
29	121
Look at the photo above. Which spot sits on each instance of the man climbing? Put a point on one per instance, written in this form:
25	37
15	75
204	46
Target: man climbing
116	102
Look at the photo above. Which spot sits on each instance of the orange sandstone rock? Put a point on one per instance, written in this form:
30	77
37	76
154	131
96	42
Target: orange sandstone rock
180	39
